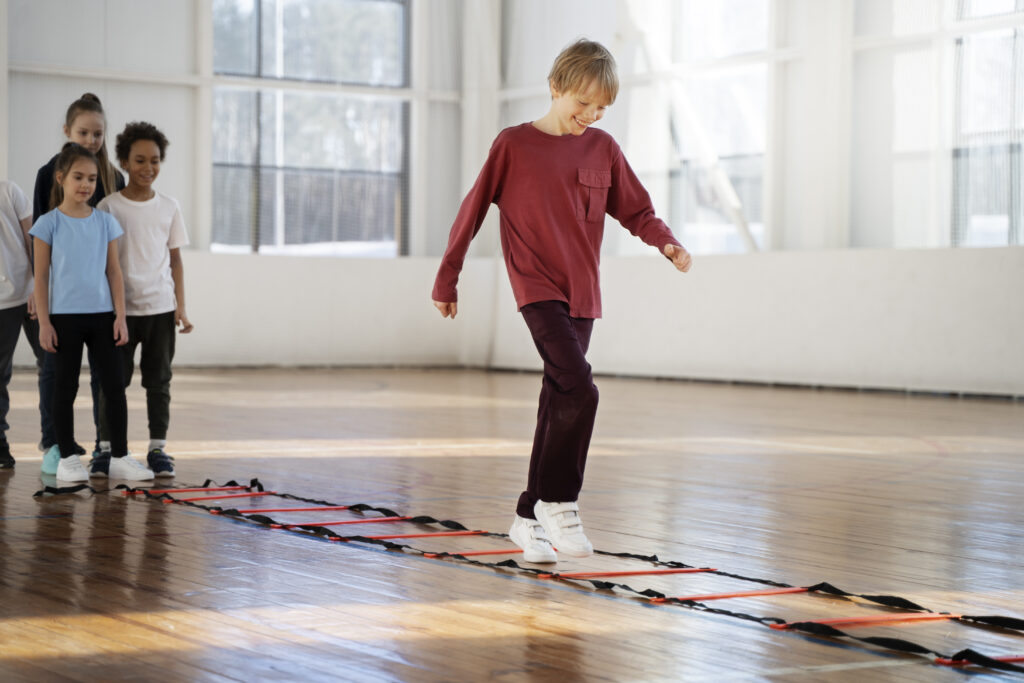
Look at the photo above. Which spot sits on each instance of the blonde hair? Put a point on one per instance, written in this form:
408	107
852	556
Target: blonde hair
90	103
581	63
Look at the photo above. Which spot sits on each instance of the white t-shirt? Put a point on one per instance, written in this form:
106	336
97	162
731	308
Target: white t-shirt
15	270
151	229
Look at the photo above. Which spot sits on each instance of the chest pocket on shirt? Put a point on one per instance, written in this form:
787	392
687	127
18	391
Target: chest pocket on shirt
593	194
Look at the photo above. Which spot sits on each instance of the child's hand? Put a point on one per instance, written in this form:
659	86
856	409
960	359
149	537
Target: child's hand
32	308
680	257
448	308
48	337
181	320
120	331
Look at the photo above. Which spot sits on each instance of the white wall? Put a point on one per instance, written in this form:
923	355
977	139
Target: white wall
270	310
929	320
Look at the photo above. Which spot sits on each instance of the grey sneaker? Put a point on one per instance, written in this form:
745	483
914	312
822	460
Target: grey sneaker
562	523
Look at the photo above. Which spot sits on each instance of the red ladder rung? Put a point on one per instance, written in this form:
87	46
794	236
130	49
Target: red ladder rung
639	572
872	619
369	520
256	511
476	553
230	495
738	594
423	535
196	489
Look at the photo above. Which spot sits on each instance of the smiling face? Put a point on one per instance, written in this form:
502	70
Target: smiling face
142	164
79	182
574	112
87	130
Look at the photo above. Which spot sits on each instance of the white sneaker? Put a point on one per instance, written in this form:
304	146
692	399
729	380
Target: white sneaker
562	523
129	468
529	535
72	469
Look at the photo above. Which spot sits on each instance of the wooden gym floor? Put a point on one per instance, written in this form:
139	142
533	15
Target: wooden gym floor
876	493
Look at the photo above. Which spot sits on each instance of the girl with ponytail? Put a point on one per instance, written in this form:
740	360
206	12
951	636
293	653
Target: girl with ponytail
85	123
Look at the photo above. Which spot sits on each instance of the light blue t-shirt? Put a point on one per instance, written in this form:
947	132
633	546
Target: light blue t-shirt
78	260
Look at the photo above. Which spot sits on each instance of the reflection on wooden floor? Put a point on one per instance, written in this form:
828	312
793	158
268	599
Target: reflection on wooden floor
917	496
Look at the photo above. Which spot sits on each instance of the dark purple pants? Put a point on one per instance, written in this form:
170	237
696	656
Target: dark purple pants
568	404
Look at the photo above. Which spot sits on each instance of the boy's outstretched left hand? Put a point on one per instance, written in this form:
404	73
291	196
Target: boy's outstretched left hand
680	257
448	308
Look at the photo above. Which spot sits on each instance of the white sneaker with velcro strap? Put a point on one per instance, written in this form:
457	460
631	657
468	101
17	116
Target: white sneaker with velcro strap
529	535
562	523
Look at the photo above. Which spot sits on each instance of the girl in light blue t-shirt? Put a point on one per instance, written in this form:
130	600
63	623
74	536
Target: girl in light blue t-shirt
79	294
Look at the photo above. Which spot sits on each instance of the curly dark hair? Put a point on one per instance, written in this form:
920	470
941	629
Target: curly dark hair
135	131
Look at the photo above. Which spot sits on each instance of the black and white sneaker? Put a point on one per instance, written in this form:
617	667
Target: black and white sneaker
99	466
161	463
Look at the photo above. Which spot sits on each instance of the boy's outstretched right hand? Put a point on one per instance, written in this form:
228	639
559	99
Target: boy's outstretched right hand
448	308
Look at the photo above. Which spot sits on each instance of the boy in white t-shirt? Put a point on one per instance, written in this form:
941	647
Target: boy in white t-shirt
154	283
17	306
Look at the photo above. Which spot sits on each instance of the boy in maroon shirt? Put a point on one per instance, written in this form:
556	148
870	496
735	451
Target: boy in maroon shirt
554	180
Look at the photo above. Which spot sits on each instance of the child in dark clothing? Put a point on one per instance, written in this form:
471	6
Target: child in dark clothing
85	123
554	180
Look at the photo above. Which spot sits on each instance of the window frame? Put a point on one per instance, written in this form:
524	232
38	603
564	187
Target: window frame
261	83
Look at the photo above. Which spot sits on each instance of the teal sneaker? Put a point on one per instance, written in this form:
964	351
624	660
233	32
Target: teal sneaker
51	458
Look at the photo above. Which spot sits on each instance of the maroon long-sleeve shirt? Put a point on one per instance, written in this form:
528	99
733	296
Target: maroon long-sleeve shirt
553	192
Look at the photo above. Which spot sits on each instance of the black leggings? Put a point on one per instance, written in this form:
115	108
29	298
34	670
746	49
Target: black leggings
95	330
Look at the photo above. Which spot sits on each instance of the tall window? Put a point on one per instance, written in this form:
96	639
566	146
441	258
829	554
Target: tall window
989	130
937	123
724	45
308	158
